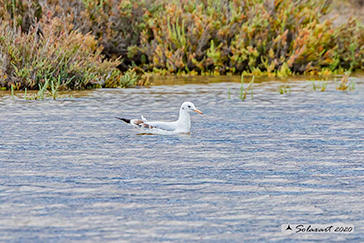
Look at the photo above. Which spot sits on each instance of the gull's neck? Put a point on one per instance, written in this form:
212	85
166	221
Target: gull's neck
184	120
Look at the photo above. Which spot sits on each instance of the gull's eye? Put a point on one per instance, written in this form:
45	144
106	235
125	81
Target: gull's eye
189	106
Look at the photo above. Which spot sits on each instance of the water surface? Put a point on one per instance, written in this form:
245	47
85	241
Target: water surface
70	171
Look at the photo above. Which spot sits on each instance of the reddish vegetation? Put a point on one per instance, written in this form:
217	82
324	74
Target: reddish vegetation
81	41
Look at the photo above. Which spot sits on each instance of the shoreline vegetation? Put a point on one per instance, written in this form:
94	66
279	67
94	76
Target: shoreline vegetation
246	91
84	44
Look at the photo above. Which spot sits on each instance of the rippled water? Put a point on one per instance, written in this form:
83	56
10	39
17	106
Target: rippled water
69	171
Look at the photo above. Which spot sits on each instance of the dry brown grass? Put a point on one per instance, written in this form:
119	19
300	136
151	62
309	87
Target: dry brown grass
342	10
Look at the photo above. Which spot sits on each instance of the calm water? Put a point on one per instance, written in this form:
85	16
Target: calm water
69	171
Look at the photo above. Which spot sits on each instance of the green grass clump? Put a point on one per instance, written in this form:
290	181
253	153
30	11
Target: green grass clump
48	90
319	85
129	78
244	91
284	89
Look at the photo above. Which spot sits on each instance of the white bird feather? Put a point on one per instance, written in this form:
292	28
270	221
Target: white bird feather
182	125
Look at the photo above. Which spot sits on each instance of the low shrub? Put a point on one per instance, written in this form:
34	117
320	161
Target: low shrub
276	37
257	37
54	52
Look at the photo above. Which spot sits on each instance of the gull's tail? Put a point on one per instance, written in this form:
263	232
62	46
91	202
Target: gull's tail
123	119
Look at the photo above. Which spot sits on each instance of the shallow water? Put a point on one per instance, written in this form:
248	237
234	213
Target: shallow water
70	171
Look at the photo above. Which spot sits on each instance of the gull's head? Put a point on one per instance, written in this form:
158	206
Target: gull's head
189	106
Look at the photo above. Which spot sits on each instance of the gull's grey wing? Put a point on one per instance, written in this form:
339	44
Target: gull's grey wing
169	126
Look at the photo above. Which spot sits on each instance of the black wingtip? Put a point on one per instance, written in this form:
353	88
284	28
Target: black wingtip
123	119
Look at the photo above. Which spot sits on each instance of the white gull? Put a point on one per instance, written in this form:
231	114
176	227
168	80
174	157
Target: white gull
182	125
